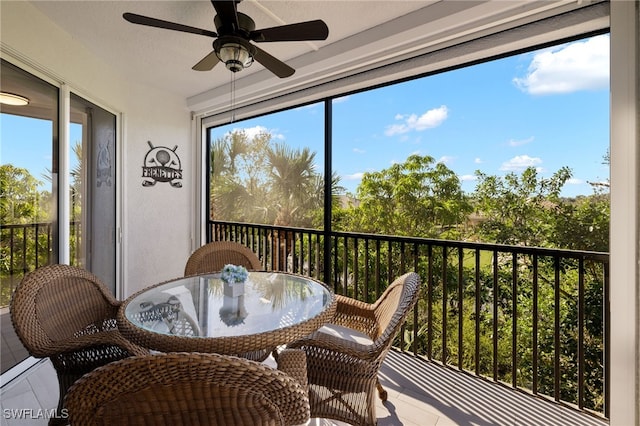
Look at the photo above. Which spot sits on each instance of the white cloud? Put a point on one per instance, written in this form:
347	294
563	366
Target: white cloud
520	142
519	163
568	68
575	181
359	151
445	159
252	132
354	176
477	160
430	119
468	178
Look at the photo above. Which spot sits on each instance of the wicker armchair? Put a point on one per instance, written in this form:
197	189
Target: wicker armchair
213	256
343	358
67	314
188	389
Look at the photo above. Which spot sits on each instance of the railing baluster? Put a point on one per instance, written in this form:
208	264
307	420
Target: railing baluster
445	296
606	339
366	270
317	257
37	245
301	256
336	259
416	321
24	252
460	307
534	348
556	325
377	282
389	262
514	321
581	314
402	271
430	303
356	268
478	308
345	262
496	296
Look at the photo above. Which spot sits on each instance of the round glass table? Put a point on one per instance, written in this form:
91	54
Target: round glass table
200	313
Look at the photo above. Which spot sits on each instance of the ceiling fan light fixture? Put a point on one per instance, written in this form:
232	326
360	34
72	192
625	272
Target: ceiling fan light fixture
236	56
7	98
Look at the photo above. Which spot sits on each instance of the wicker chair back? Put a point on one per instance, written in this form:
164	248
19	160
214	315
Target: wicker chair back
187	389
212	257
343	374
67	314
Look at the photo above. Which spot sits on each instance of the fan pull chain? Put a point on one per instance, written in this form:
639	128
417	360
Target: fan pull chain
233	97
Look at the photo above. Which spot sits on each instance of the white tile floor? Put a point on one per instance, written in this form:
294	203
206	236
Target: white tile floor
420	394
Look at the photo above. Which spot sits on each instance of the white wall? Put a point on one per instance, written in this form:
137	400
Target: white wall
156	221
625	202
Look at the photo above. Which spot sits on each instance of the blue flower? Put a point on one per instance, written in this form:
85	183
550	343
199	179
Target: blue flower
234	274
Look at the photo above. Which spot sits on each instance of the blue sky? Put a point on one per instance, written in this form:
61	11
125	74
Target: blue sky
545	109
27	143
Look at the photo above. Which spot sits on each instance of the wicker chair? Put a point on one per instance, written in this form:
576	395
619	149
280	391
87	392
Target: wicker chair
212	257
343	358
189	389
67	314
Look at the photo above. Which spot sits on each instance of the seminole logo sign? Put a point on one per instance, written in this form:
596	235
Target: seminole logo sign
161	164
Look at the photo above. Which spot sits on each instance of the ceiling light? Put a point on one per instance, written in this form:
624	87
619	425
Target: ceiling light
13	99
236	54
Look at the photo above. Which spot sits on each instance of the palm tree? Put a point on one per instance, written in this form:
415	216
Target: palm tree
292	175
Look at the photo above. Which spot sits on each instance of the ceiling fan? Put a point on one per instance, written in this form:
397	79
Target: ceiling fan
233	36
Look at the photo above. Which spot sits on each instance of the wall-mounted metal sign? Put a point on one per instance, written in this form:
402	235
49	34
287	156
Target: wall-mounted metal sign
162	164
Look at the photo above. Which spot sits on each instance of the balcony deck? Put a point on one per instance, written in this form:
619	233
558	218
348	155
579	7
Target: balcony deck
420	394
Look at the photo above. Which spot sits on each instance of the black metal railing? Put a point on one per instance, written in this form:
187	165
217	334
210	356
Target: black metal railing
23	247
535	319
26	247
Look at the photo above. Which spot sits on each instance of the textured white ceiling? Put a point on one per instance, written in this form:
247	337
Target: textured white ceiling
164	58
362	34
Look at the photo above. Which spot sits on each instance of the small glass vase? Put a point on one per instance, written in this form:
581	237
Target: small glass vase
233	289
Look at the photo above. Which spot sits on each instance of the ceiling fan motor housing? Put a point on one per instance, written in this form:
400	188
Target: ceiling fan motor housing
245	26
233	47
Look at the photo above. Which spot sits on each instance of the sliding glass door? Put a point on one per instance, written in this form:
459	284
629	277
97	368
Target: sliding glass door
42	178
29	188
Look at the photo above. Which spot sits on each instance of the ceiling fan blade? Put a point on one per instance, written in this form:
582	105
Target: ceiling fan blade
273	64
207	63
159	23
226	10
310	30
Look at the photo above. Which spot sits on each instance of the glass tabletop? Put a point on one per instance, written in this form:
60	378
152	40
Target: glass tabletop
203	306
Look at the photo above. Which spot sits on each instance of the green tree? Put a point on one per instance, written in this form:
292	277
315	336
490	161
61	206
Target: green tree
420	197
583	223
260	181
519	209
21	201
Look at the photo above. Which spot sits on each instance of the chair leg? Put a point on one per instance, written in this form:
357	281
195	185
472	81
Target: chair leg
381	392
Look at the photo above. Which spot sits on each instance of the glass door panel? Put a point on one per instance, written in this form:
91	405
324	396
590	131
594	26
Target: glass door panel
28	189
93	189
